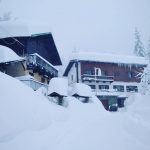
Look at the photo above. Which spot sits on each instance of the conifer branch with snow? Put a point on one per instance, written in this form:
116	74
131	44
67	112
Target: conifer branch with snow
139	47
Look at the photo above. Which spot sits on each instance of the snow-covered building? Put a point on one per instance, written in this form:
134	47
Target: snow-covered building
106	72
38	50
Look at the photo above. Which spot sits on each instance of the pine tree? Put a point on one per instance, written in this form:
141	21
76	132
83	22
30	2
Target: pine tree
138	48
148	51
145	78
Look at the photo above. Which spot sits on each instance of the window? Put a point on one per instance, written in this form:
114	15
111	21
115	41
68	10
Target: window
92	86
98	71
103	87
72	77
89	72
132	88
119	88
42	80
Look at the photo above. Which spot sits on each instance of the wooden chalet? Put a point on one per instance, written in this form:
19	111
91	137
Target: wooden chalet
106	72
39	52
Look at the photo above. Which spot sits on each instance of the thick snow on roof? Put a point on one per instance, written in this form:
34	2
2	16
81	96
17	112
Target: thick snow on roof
59	86
13	28
109	58
7	55
82	90
18	27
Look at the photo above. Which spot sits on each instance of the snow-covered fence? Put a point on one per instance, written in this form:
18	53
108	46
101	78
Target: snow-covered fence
35	85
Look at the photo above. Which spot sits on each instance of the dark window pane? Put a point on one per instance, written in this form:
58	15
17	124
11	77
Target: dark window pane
103	86
132	89
92	86
119	88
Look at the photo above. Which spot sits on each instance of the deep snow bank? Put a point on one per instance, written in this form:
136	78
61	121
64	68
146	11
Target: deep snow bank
31	122
21	108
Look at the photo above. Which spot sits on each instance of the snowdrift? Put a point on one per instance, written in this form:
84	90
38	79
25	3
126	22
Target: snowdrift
30	122
21	109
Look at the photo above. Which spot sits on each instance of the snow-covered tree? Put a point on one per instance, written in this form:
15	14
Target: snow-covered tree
145	77
148	51
139	47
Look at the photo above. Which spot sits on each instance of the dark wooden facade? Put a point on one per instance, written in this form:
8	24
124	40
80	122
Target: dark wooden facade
120	72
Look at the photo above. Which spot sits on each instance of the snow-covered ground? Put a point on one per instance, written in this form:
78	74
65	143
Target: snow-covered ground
28	121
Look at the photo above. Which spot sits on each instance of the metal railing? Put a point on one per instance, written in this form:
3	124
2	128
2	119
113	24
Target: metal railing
35	85
86	77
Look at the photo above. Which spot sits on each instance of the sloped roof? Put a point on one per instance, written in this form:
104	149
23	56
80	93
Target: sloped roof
8	55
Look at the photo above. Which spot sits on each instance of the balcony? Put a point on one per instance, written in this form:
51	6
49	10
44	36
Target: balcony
39	65
86	77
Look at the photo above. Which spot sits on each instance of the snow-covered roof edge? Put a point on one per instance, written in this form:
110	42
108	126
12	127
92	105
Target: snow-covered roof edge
109	58
8	55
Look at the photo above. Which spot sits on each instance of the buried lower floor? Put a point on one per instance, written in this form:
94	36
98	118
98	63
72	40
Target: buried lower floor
111	103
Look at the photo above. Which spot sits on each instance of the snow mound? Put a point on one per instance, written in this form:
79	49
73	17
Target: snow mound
21	109
59	86
81	90
7	55
28	121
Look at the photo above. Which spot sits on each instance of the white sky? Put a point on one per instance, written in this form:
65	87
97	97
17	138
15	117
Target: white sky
87	25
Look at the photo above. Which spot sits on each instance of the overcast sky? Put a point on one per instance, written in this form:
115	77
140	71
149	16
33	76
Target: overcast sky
87	25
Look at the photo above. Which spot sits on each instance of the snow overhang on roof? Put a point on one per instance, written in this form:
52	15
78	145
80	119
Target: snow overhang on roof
17	28
110	58
8	55
13	29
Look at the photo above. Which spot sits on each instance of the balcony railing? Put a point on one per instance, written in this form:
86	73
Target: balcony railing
38	64
86	77
35	85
